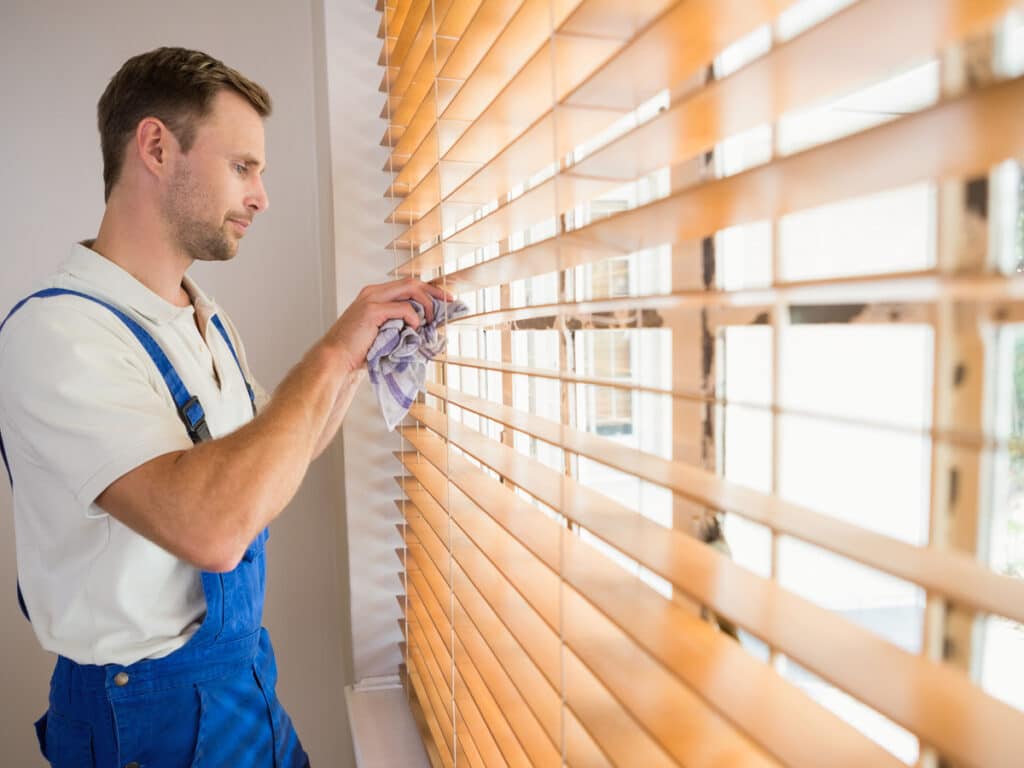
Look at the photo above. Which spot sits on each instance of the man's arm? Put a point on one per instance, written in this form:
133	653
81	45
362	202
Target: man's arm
341	406
206	504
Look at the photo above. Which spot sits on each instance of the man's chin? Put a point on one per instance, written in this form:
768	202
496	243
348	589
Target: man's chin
226	254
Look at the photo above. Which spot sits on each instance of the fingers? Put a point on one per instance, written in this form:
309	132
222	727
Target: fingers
398	309
440	293
409	288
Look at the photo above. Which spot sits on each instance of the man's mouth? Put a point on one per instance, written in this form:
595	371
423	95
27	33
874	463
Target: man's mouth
240	225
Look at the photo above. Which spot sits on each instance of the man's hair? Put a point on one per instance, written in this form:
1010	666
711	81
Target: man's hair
175	85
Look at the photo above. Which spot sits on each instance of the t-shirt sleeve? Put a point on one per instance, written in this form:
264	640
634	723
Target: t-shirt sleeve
80	398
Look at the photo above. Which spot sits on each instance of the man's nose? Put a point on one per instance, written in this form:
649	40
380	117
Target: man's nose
258	200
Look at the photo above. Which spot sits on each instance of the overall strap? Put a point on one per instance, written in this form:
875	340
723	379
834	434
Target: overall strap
190	410
227	339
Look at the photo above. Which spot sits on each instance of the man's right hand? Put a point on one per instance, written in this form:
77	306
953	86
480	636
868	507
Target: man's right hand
353	333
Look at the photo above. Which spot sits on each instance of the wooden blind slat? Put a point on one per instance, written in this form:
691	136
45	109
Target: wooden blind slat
713	666
437	685
494	722
523	102
428	713
490	17
483	743
808	69
899	153
685	727
513	680
677	46
824	642
908	300
434	707
481	589
965	439
950	574
420	85
418	11
420	48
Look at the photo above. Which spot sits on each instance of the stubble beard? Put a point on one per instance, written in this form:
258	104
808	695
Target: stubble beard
199	239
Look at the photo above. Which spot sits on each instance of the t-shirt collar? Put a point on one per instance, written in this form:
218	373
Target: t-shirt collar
111	280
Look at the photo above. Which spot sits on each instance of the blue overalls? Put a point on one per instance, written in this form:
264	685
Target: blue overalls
210	703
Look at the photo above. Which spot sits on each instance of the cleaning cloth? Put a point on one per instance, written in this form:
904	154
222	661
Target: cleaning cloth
398	357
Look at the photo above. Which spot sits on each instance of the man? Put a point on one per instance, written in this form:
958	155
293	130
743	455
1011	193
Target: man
145	462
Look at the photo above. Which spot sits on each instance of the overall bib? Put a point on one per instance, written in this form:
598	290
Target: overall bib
212	702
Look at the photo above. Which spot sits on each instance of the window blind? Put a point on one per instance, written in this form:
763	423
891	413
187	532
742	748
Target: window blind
724	467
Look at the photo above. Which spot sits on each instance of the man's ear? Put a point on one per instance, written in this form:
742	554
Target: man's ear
154	143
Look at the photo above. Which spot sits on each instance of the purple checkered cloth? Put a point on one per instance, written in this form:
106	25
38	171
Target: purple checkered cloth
398	357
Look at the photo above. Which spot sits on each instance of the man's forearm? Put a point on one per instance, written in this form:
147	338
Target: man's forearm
341	406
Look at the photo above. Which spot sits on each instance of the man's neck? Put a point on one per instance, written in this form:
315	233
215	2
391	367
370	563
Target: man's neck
137	244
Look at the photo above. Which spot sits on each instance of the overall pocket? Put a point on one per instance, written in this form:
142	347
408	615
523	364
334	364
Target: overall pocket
158	729
235	727
64	742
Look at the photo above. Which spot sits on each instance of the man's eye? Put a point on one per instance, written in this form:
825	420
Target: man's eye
241	169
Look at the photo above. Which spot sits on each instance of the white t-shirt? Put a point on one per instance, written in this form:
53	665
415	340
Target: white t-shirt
82	404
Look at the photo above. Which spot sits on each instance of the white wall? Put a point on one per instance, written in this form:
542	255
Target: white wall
55	59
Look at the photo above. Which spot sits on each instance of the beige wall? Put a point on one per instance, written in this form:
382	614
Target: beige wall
360	234
55	58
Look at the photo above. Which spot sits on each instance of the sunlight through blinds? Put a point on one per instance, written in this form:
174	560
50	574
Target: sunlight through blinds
725	465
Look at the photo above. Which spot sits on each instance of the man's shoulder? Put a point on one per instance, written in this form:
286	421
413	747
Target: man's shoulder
47	322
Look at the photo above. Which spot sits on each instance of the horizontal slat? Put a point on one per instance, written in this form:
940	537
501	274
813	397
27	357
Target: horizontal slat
435	547
440	698
896	296
451	29
437	686
484	749
814	66
419	12
480	33
425	693
523	100
390	73
899	153
498	119
667	711
436	578
960	438
420	84
525	696
936	702
544	702
537	147
685	727
435	746
952	575
510	751
524	34
420	51
714	666
549	198
510	46
488	599
520	125
427	635
387	47
677	46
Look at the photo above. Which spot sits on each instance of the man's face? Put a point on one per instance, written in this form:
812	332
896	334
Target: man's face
216	189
